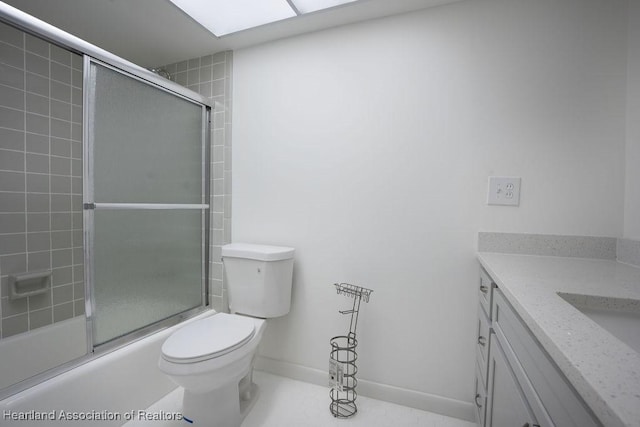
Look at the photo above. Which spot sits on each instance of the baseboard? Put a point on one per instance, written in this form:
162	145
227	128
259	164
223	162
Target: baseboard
414	399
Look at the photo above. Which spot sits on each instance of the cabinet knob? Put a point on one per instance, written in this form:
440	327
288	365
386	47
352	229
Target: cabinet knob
478	404
482	340
484	289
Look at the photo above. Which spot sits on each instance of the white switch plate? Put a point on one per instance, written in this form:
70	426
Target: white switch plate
504	190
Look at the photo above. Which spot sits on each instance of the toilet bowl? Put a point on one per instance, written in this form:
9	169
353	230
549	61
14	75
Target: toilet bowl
212	358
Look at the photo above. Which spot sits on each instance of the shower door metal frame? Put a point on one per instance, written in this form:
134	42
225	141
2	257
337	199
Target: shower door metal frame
90	206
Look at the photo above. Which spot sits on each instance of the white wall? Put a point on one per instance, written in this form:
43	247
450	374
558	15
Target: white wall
632	194
368	148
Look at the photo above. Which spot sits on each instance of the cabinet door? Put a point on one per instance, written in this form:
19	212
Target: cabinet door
485	291
480	399
482	343
506	405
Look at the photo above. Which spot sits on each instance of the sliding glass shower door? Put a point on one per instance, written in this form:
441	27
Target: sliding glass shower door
145	203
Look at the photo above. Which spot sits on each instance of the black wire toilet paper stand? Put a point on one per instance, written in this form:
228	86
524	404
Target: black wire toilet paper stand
343	356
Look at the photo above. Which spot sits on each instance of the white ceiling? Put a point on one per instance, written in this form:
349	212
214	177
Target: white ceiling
155	32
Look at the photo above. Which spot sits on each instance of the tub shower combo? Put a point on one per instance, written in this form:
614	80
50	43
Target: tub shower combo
105	211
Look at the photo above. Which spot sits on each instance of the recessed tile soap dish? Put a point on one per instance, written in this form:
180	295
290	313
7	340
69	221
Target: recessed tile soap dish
29	284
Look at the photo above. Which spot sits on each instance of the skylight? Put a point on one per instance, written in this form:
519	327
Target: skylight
306	6
223	17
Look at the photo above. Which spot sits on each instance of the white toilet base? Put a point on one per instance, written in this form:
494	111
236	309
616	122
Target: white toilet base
226	406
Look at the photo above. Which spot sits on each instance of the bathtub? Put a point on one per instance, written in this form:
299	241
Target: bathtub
104	391
30	353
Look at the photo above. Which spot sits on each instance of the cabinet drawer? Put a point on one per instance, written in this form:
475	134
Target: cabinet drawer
548	385
485	293
482	343
480	399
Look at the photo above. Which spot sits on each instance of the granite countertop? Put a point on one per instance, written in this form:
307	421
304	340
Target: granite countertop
604	370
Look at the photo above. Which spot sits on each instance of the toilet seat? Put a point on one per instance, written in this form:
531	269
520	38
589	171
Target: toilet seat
208	338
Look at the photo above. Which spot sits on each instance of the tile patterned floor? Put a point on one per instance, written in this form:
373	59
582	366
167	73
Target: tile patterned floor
285	402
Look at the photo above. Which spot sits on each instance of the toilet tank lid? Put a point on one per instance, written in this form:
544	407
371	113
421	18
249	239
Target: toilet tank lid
257	252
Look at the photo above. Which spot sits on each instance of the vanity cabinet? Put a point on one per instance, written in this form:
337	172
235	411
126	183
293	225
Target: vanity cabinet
517	383
483	342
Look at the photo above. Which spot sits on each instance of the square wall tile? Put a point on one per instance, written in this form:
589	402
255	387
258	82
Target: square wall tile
37	144
12	202
36	45
37	84
12	264
62	276
11	76
15	325
62	312
13	307
78	307
37	104
38	260
13	223
11	139
37	242
60	222
38	302
38	222
40	318
62	294
37	183
12	97
11	55
11	181
11	119
11	244
11	35
36	64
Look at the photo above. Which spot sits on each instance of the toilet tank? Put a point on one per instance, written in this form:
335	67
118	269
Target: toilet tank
259	278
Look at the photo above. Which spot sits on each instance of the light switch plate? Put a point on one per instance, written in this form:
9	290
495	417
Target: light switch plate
504	191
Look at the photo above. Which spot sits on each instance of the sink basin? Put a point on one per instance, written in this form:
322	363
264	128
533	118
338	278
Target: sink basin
619	316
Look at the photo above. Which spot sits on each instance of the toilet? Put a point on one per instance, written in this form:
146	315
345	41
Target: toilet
212	358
